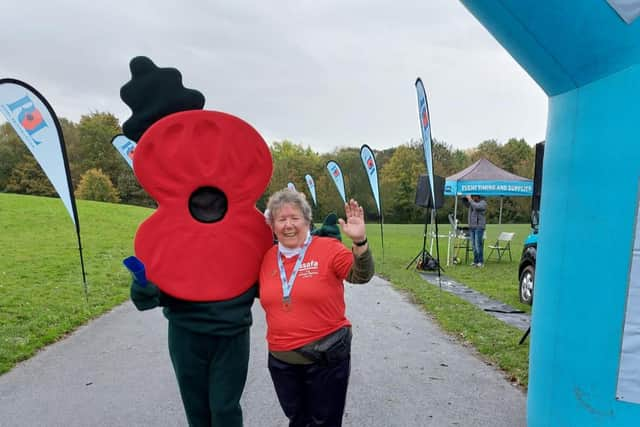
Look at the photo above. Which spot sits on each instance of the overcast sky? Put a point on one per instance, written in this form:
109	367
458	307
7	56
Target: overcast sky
322	73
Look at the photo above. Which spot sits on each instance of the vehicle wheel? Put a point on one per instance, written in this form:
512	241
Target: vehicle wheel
526	284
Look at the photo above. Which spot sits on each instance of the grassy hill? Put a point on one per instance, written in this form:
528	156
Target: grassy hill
42	297
41	288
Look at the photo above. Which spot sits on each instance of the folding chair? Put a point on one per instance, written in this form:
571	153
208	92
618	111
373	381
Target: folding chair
502	245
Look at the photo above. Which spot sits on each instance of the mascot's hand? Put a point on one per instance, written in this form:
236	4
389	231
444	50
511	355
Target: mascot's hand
144	294
329	228
144	297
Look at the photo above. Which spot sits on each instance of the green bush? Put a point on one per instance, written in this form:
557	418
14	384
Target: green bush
96	185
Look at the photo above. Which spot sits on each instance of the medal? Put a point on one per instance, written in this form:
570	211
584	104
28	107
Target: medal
287	284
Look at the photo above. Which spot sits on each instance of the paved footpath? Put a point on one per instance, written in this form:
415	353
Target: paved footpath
405	372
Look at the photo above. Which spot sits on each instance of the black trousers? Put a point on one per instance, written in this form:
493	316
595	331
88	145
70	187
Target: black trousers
311	395
211	372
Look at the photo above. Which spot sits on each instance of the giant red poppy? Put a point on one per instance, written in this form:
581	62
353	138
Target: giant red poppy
206	170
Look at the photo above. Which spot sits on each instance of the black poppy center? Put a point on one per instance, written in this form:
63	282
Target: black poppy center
208	204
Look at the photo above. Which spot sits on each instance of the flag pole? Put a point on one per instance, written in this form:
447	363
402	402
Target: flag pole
371	170
25	109
72	197
425	128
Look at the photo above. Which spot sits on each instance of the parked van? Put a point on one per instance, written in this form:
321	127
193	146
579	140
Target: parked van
527	267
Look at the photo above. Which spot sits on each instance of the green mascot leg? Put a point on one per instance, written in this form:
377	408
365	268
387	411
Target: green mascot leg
211	373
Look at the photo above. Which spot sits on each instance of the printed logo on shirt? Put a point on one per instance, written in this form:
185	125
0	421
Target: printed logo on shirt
309	269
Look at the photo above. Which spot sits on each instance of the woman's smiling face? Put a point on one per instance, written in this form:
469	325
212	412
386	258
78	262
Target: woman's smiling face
290	227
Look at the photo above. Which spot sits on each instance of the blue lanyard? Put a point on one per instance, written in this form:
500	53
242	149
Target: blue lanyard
287	285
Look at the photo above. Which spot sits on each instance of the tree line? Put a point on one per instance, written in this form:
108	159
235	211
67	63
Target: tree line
99	173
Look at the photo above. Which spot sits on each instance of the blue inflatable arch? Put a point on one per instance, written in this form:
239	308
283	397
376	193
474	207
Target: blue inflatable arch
585	342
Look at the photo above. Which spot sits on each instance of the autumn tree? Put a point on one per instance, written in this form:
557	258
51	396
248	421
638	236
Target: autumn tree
446	160
291	162
96	185
88	147
516	156
398	180
131	192
489	149
72	147
95	150
28	178
12	152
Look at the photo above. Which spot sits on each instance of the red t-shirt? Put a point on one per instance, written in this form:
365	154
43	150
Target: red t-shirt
317	298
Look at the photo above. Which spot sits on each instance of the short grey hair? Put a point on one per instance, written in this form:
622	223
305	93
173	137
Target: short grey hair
287	196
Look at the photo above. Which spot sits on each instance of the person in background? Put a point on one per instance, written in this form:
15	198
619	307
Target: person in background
477	223
302	293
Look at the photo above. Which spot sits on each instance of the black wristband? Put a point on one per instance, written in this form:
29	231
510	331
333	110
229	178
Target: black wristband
364	242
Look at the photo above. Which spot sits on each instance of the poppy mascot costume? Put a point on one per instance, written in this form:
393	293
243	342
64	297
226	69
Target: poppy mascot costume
201	249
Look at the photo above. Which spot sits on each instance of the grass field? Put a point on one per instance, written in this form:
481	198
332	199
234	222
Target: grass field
41	288
42	297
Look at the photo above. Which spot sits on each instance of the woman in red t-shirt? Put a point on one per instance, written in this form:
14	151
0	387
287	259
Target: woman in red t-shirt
302	293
